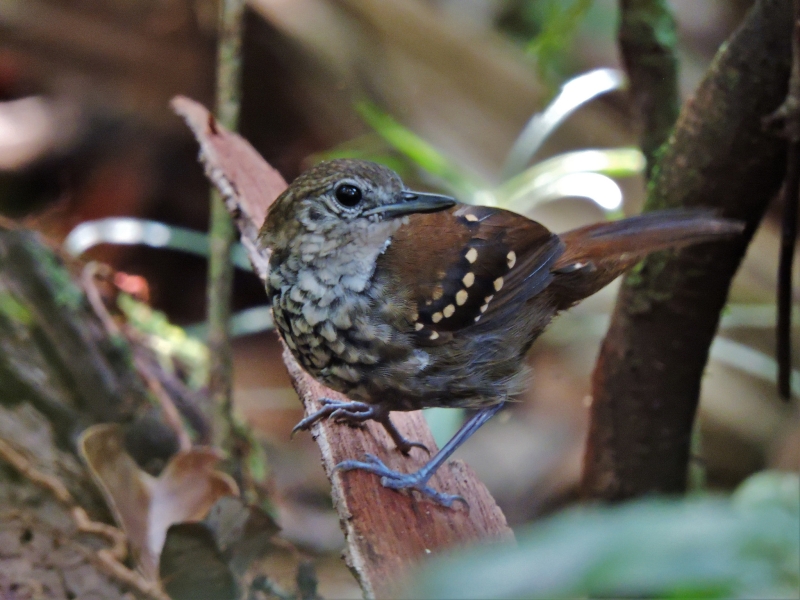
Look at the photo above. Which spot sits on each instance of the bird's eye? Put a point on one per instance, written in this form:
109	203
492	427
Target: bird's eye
348	194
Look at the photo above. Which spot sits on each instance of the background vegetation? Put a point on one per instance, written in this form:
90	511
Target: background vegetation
486	99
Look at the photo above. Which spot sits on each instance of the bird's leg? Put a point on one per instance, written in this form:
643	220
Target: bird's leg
355	413
419	480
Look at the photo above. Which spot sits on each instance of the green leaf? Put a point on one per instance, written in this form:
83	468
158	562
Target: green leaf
560	22
706	547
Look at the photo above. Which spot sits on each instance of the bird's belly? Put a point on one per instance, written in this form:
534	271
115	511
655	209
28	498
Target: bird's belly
347	348
322	337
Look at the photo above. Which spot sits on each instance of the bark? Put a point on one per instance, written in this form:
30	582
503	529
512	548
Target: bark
788	115
647	380
647	41
54	351
60	370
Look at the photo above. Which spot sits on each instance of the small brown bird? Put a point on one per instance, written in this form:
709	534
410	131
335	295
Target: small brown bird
404	300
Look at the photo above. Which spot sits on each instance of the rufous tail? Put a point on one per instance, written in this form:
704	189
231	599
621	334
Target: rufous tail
597	254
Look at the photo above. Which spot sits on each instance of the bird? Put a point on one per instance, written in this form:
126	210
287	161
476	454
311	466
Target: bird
404	300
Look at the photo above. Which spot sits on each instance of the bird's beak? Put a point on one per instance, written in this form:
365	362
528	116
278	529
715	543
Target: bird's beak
413	202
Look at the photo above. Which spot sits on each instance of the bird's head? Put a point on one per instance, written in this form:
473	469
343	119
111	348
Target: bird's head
340	198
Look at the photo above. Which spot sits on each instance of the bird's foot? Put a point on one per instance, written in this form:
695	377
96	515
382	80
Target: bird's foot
356	413
400	481
353	413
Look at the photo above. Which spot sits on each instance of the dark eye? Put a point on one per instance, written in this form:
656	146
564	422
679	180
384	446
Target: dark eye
348	195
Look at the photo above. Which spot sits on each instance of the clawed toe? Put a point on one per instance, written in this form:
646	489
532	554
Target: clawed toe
399	481
409	482
306	423
406	445
350	412
349	417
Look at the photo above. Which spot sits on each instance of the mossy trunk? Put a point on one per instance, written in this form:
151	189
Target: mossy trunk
647	380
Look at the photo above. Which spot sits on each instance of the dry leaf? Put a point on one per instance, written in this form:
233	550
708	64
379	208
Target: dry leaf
210	559
193	568
146	506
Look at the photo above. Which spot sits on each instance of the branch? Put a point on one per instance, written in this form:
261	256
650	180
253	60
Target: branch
788	116
386	532
647	41
647	379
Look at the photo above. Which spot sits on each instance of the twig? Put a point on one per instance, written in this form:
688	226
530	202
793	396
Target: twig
221	234
647	41
387	532
646	383
88	274
108	558
171	414
785	270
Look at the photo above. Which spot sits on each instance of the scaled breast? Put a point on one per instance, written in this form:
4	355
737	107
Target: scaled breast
321	303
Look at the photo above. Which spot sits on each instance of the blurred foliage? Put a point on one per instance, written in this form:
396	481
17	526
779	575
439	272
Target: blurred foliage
170	343
575	92
420	152
535	184
561	20
547	28
520	191
131	231
14	310
747	545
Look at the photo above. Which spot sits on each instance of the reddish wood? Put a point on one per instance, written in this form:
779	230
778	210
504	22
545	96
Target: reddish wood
387	532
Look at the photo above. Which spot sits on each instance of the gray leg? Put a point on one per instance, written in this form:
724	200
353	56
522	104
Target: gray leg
419	480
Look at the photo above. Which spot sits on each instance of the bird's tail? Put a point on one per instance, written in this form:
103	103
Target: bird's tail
597	254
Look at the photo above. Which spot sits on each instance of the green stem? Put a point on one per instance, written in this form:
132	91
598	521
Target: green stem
221	232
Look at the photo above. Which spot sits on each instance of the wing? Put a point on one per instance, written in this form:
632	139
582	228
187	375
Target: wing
480	262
